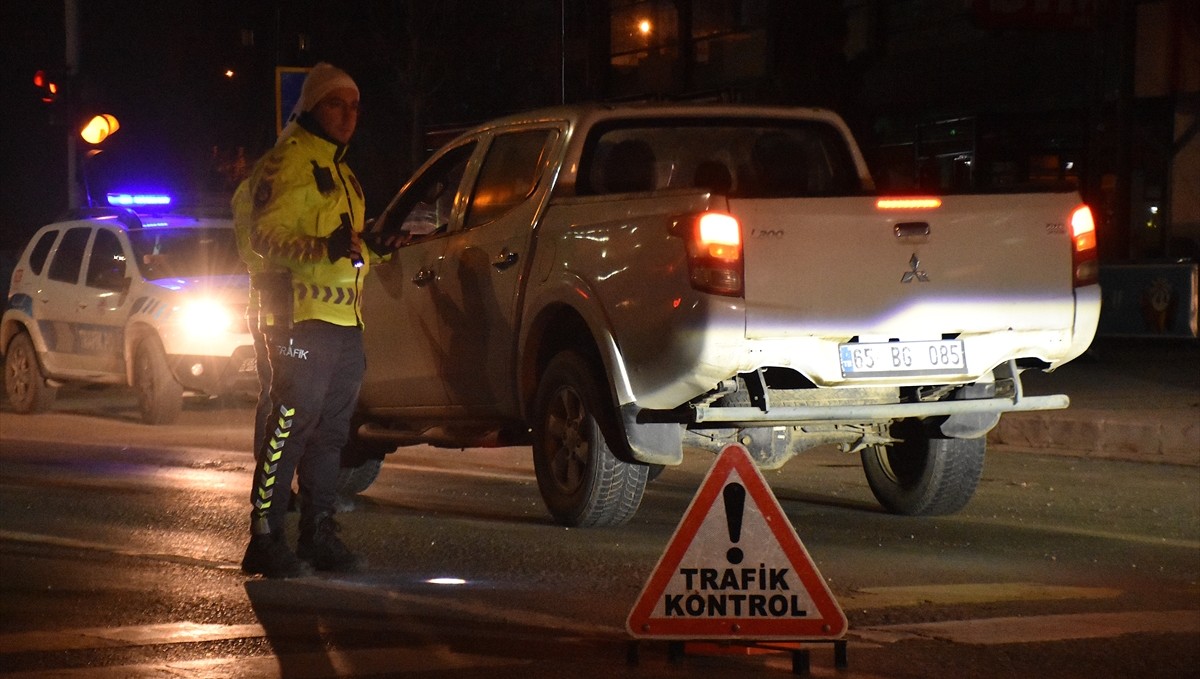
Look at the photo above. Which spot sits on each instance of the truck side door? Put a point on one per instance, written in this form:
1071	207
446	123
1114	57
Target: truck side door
485	264
401	296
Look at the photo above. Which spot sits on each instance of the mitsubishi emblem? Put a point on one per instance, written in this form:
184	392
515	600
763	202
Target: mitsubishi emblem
914	264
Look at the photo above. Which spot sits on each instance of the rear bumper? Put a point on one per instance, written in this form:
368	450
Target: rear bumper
1017	401
872	413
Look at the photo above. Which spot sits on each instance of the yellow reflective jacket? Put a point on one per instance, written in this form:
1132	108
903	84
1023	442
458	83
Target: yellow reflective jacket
243	227
301	191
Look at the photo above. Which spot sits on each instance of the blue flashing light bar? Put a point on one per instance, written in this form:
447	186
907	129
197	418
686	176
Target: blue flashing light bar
138	199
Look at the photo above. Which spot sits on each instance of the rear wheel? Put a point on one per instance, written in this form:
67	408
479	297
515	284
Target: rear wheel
23	381
582	482
159	394
925	474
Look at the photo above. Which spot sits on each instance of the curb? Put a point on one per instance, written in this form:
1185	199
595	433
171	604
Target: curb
1139	435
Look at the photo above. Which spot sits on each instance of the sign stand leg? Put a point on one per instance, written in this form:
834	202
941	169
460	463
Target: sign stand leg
800	662
675	652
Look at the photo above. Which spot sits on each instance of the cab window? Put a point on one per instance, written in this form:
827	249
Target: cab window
509	174
69	256
106	265
740	157
428	205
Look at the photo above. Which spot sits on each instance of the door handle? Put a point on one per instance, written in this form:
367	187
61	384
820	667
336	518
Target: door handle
505	259
423	277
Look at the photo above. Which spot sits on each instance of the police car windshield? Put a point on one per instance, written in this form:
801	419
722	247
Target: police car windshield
186	253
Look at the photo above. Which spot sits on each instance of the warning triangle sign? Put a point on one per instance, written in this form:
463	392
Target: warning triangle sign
735	568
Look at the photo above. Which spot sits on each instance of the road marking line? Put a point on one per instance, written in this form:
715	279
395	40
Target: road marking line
134	635
1181	543
970	593
475	610
369	662
1039	628
72	543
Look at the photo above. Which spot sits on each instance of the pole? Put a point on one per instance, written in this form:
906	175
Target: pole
71	59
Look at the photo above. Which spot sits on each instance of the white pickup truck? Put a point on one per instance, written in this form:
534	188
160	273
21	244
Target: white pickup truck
614	285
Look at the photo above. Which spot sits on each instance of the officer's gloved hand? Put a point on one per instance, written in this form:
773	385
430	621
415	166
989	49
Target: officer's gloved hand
383	244
342	243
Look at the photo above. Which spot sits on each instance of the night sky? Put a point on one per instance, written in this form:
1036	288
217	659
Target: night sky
159	68
156	66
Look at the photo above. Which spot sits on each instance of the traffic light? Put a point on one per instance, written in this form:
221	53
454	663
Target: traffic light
99	128
46	85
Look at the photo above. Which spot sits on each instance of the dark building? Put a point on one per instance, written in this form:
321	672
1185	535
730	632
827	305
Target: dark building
945	95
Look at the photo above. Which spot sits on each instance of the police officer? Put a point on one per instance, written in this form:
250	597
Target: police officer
307	216
243	225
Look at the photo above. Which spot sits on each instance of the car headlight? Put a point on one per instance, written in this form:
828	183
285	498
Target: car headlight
205	317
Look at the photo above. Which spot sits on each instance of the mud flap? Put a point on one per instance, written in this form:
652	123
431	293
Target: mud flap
969	425
652	442
972	425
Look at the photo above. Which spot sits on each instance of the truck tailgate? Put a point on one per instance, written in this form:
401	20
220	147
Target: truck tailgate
976	264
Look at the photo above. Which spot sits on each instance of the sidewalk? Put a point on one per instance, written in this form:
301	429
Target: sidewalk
1131	399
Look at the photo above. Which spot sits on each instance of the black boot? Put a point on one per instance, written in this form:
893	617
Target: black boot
268	555
321	547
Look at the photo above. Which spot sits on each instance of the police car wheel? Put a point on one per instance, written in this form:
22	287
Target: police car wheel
581	481
159	394
23	381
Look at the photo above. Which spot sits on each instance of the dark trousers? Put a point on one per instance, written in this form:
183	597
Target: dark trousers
262	361
316	372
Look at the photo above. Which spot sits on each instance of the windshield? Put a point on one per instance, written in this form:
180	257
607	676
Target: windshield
186	253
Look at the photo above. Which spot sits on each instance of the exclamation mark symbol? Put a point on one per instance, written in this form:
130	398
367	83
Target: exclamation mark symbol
735	501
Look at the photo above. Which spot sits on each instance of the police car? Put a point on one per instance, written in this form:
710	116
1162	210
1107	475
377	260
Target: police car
136	294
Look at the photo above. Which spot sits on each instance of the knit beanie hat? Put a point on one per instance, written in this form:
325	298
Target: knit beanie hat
320	81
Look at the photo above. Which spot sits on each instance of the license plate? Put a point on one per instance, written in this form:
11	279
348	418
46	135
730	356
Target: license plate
881	359
249	365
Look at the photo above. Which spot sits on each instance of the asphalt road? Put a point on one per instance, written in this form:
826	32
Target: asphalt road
119	545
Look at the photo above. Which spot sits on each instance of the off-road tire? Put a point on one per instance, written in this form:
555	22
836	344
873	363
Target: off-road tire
926	474
23	380
159	394
582	482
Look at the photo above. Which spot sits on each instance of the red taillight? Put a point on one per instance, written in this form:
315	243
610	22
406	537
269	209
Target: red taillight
714	248
720	235
1083	247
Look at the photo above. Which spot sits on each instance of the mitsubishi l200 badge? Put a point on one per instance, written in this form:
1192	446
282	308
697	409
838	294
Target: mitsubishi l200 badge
914	264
